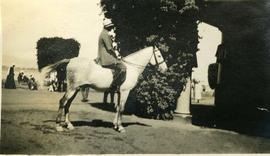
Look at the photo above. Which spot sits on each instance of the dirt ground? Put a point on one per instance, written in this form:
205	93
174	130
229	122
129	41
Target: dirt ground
27	127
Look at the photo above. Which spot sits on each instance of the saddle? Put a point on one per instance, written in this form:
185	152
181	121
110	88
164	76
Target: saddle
118	76
113	89
118	80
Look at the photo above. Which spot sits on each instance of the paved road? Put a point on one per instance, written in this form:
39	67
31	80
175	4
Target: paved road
27	127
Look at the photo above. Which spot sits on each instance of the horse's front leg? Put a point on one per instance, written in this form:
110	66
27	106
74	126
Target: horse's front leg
116	118
119	111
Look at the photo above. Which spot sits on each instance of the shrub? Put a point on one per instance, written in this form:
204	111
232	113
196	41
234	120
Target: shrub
51	50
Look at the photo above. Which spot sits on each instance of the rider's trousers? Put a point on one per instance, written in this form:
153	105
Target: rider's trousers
119	75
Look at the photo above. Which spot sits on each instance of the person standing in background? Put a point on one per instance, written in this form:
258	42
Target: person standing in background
197	90
10	82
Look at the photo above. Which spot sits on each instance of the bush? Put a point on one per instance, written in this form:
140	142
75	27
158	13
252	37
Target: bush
51	50
156	92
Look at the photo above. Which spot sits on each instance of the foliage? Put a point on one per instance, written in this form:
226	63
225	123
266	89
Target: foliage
51	50
171	26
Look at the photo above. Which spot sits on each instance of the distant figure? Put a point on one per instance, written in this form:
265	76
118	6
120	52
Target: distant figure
197	90
85	93
61	76
53	81
10	82
203	88
20	77
32	85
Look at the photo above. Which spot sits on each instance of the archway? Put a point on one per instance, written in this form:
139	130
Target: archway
210	38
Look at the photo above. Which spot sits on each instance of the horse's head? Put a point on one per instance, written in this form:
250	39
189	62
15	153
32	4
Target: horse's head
158	60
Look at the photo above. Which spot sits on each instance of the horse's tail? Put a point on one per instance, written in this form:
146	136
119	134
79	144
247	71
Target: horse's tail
54	66
45	71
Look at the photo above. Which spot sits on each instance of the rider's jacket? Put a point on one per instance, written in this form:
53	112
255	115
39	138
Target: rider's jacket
105	49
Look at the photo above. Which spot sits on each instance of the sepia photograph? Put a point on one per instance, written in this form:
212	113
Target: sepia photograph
135	77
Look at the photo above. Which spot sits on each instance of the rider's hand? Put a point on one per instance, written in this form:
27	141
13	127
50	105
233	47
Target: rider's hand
114	44
119	57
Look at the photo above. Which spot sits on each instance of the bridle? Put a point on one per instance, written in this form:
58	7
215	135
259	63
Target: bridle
141	66
154	53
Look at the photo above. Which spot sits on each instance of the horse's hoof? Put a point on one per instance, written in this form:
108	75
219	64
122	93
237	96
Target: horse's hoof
121	130
70	126
115	128
59	128
84	100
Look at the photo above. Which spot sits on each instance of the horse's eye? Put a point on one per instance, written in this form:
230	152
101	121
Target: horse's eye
159	55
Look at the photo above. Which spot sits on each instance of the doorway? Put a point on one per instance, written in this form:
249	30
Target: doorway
210	38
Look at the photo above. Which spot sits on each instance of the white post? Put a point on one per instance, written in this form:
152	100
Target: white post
183	102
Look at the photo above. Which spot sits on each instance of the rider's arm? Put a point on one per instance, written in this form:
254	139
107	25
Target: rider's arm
108	44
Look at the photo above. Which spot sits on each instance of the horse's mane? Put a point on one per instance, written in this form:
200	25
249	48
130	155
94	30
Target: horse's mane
136	53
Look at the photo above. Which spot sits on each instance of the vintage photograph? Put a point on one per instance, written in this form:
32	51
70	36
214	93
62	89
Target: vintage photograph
135	77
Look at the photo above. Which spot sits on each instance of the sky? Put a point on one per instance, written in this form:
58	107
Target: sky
24	22
210	39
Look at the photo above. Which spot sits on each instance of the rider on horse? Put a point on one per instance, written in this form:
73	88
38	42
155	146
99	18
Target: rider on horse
107	56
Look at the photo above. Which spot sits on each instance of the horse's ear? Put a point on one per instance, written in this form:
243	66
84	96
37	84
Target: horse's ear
155	48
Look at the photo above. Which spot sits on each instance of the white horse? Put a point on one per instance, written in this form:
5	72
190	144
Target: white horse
84	73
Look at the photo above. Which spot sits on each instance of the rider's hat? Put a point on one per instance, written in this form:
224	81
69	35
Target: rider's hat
107	22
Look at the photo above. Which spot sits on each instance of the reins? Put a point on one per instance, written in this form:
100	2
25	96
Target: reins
133	64
141	66
157	63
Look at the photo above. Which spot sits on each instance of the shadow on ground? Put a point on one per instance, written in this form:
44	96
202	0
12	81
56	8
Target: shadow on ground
100	123
105	124
254	124
109	107
103	106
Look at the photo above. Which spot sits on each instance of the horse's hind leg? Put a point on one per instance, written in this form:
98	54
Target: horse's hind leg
105	96
62	102
64	105
71	97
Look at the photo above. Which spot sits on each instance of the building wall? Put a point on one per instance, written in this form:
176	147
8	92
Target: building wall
245	81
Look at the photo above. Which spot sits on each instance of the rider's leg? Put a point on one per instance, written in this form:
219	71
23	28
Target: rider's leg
120	75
